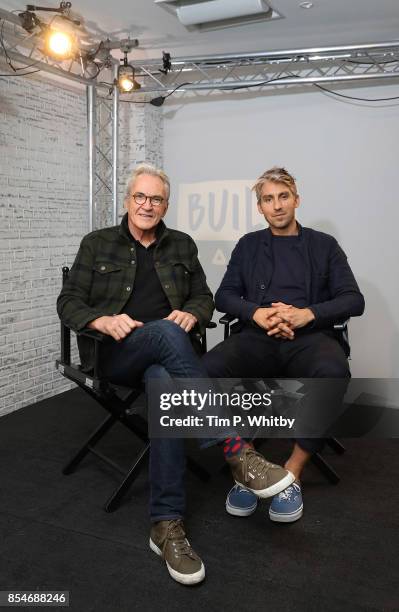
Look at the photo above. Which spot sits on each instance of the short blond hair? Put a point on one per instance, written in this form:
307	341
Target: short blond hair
150	170
275	175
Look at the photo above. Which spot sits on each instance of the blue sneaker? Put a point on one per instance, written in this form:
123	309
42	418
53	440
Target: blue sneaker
240	501
287	506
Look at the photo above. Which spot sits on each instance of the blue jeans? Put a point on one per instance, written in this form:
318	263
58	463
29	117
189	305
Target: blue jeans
159	349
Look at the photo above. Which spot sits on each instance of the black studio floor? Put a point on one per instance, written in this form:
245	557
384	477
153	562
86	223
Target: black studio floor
343	554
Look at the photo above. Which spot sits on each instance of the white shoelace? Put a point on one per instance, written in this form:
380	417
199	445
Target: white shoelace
289	492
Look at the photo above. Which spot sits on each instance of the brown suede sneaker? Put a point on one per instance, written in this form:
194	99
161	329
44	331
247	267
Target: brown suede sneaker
168	539
251	470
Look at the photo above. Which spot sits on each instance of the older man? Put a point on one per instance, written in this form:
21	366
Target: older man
288	285
142	284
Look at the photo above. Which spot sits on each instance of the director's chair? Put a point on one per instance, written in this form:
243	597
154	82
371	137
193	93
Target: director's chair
341	333
117	402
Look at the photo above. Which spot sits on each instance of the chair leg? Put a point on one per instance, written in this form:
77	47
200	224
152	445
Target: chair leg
94	438
325	468
336	445
116	497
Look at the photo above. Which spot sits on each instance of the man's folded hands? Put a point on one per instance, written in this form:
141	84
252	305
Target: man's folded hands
280	320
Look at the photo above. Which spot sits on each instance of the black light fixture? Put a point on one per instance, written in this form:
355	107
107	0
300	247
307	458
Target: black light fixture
166	62
126	81
159	100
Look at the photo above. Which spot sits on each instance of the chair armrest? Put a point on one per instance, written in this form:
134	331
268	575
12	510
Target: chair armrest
342	335
93	334
202	337
226	319
341	326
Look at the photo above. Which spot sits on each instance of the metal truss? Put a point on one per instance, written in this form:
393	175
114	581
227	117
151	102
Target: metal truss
103	117
259	70
206	75
277	69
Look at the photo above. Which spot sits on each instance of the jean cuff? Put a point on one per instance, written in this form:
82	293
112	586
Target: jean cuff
165	517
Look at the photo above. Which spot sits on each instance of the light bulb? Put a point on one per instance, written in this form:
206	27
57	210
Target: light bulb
126	84
60	44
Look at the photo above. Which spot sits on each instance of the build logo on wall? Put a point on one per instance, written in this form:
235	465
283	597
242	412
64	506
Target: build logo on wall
216	214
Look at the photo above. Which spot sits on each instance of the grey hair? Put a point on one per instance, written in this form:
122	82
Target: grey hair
150	170
275	175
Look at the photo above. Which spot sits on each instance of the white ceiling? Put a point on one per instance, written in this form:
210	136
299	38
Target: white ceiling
329	22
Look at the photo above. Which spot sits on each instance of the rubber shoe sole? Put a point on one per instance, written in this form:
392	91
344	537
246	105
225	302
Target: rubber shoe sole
273	489
286	517
182	578
234	511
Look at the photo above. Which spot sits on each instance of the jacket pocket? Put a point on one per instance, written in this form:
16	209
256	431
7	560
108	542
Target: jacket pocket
107	282
105	267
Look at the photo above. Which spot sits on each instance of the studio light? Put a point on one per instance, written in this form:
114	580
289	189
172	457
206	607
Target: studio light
59	35
126	81
60	45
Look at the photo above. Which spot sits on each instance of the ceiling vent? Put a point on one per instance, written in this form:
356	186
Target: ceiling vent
210	14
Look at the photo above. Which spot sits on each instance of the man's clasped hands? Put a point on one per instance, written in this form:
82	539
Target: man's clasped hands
280	320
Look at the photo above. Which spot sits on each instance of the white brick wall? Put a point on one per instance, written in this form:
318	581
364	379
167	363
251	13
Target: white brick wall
43	177
43	216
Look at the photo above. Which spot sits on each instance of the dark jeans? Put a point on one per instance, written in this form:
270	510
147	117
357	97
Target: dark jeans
251	353
159	349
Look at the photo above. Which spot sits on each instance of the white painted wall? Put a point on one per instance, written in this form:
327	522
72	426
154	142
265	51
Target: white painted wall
344	155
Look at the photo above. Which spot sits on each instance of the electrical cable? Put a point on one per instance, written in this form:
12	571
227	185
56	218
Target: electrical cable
20	74
348	61
163	98
173	90
158	101
249	85
8	59
335	93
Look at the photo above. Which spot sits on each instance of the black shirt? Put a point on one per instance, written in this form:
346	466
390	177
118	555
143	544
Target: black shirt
288	280
148	301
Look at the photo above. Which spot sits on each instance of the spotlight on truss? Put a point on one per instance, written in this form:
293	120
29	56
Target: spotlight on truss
126	78
58	34
59	44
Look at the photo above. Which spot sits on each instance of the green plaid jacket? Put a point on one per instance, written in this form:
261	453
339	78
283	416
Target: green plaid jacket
102	277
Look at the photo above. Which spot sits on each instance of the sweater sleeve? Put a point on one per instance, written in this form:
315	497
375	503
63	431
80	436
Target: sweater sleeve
346	299
229	297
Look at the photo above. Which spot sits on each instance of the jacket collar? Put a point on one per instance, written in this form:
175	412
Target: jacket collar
268	236
124	231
